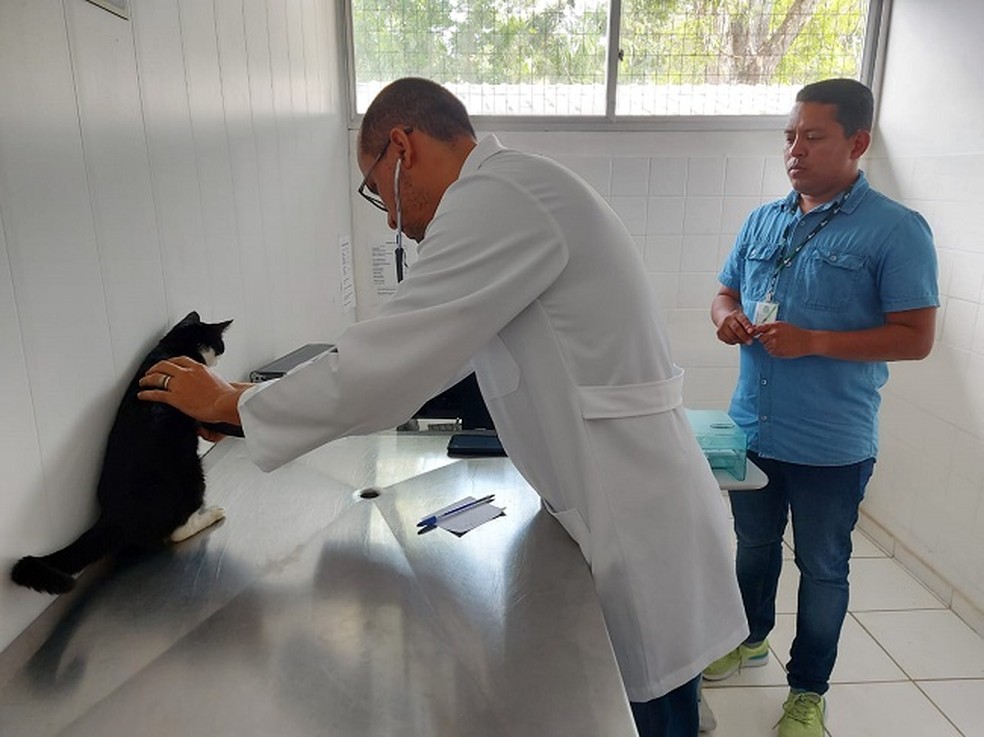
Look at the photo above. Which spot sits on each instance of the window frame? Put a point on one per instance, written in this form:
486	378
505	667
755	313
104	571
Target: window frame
876	38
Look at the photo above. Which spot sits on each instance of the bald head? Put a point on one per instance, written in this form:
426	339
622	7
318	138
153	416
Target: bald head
415	103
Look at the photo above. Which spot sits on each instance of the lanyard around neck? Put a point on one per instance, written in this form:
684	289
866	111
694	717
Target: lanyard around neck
787	254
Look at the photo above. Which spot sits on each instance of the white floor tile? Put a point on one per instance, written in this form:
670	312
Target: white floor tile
863	547
884	710
882	584
961	701
859	658
928	644
745	712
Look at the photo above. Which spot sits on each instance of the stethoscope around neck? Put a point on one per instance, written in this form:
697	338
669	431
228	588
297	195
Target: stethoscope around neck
398	252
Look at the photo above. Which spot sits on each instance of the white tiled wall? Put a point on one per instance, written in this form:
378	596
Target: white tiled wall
928	489
683	196
193	157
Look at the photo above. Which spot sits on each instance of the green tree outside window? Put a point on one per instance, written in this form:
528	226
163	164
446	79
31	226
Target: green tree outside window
559	48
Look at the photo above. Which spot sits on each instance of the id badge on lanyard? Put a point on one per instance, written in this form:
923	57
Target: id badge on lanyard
767	310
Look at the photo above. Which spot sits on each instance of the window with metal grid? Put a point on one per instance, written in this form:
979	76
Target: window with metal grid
553	58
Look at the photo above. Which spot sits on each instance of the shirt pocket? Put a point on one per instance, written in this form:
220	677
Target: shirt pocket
830	279
760	263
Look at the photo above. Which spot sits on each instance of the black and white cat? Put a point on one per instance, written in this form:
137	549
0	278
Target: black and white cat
152	487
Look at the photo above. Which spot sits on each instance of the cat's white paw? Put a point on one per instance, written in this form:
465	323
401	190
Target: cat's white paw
198	521
210	515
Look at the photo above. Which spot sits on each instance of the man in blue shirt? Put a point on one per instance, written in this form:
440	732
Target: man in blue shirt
820	290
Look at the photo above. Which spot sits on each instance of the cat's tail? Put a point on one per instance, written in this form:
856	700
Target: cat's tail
55	573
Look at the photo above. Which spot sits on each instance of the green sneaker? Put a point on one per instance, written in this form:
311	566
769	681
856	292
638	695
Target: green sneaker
802	715
743	656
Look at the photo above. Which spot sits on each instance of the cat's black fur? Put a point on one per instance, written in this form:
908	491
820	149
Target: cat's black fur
152	478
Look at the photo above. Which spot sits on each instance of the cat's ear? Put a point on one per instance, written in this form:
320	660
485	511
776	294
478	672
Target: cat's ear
222	326
190	318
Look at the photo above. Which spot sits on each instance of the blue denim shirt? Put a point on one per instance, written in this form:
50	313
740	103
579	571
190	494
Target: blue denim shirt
873	257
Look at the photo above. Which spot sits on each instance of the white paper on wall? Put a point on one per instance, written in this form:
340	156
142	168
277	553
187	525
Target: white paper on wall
382	253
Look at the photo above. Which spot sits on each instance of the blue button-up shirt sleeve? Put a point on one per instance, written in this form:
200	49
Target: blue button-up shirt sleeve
908	278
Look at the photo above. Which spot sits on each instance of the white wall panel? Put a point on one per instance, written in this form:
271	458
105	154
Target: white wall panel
118	174
61	303
296	57
941	89
337	81
24	521
174	171
211	146
315	45
278	163
267	145
251	340
308	158
335	212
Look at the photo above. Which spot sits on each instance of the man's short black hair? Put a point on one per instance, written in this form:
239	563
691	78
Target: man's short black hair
418	103
854	101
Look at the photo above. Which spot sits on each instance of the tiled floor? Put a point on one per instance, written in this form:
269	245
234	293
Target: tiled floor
907	666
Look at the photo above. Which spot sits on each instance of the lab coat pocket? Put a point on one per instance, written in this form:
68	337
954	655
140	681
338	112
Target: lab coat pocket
623	428
498	371
571	520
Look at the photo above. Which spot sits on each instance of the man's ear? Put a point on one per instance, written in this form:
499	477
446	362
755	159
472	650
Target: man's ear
862	139
400	139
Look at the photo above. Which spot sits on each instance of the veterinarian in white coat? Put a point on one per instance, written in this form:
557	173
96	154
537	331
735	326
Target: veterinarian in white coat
525	274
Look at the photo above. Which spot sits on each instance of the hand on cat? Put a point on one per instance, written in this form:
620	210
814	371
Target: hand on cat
209	435
190	387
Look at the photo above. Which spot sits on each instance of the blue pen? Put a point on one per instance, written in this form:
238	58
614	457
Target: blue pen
435	518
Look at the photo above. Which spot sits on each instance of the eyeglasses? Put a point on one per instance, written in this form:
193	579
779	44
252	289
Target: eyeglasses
367	194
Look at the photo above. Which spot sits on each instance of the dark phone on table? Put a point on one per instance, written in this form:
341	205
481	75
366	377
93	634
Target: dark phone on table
468	444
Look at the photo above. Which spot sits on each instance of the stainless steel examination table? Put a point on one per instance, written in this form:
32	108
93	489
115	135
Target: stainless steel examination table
312	610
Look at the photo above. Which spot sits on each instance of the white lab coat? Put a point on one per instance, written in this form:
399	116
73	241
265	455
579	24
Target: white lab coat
526	272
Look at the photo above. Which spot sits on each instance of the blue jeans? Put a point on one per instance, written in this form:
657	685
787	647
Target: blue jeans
673	715
823	501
